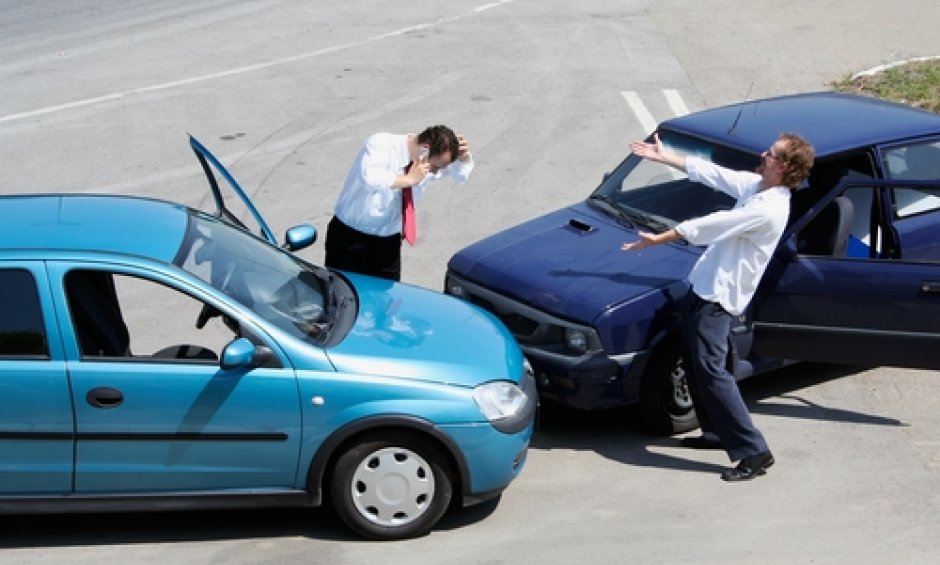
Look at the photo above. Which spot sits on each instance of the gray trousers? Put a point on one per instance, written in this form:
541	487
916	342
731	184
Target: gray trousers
721	411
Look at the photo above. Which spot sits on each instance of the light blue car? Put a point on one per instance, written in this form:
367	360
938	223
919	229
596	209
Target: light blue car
158	357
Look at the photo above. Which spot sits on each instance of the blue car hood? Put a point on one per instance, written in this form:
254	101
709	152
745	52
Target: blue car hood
569	263
411	332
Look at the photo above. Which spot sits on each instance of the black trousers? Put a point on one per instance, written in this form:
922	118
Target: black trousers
721	411
348	249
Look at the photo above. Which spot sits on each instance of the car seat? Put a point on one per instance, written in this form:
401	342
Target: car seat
828	233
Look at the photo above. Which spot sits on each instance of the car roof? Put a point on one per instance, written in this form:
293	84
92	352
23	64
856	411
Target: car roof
833	122
89	222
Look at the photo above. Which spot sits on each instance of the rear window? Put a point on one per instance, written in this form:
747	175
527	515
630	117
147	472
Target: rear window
22	333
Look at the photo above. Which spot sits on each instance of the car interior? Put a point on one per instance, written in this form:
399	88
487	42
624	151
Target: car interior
100	325
844	226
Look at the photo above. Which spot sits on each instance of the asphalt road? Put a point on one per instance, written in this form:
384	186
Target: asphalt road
98	95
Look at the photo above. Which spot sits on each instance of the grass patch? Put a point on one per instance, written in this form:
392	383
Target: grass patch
916	83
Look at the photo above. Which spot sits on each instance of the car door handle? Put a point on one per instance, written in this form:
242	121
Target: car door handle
104	397
930	287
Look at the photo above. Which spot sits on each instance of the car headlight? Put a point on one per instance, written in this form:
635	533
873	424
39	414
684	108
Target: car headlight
506	405
499	400
576	340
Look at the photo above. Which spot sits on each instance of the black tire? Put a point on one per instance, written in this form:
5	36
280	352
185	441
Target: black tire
391	487
665	402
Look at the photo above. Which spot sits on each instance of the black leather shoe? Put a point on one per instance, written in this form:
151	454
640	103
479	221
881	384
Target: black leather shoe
749	467
699	443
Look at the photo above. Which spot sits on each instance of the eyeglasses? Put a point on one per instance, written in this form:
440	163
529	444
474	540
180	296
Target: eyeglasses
770	153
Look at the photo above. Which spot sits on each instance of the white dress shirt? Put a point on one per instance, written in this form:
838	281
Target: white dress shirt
368	203
740	241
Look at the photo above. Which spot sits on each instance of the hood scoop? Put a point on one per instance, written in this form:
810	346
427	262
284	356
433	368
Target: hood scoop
579	227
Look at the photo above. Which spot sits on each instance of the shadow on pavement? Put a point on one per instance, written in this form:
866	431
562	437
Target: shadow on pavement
616	434
613	433
168	527
63	530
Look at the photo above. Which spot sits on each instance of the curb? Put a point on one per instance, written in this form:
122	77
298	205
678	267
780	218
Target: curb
881	68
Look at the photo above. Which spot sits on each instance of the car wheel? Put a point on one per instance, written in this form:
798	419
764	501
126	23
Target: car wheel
392	487
665	400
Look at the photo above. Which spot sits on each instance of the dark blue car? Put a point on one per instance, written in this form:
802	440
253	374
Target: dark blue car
855	279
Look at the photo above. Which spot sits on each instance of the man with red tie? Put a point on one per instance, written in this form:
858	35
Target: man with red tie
375	210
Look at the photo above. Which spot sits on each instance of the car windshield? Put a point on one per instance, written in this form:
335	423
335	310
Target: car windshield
279	287
653	196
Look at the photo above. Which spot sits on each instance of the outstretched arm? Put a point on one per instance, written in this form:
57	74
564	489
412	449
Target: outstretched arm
657	152
647	239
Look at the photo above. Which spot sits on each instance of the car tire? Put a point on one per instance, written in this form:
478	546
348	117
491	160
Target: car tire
665	402
391	487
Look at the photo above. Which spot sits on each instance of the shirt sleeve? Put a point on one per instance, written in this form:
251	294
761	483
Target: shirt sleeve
733	183
721	225
375	164
460	170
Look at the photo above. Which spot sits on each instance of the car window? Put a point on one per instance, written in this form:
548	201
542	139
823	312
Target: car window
22	332
274	284
917	162
131	318
913	162
912	201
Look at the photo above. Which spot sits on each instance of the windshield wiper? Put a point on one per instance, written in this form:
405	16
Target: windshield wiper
630	216
328	298
334	307
613	208
646	220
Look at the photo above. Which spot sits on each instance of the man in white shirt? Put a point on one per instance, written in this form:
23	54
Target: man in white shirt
365	233
741	242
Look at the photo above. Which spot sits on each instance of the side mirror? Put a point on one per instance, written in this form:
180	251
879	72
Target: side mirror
299	237
242	354
238	354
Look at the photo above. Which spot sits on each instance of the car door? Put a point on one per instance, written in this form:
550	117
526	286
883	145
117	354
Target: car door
869	305
154	410
237	199
36	429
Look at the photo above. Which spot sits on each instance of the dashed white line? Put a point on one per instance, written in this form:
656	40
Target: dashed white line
639	110
676	102
673	98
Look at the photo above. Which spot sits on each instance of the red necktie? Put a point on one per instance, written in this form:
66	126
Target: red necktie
409	227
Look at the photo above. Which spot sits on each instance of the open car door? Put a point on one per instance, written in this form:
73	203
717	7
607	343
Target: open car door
875	302
222	211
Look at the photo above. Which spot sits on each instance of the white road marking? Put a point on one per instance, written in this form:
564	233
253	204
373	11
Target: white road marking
646	119
640	111
676	102
248	68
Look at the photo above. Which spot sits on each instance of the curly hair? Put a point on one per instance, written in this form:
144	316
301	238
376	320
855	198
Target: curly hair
798	159
440	140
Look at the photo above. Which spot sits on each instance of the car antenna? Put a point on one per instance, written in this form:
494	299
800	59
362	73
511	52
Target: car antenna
747	98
